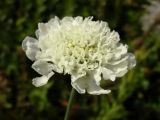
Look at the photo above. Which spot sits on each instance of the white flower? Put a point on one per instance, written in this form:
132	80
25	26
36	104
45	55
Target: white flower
85	49
151	16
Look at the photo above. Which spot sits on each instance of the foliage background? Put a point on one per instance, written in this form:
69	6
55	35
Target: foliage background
134	97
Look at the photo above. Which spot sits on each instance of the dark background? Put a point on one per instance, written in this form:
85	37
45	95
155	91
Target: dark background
136	96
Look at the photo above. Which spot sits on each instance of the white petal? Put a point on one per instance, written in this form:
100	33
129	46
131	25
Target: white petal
40	81
79	19
53	23
66	20
121	66
79	85
30	46
87	83
42	28
75	76
108	74
120	50
118	62
94	89
121	71
97	75
42	67
30	53
29	42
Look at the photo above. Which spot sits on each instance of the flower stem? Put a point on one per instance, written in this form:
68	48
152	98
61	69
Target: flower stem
69	104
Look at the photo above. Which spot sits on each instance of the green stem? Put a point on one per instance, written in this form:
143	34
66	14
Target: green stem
69	104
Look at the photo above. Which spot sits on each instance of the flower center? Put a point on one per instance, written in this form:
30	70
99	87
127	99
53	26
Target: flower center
82	53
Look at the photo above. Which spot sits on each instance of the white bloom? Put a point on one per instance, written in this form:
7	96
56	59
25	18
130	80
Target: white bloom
85	49
151	16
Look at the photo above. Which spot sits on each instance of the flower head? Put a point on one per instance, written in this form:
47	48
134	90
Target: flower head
87	50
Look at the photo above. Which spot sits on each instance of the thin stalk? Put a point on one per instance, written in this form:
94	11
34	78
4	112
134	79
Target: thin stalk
69	104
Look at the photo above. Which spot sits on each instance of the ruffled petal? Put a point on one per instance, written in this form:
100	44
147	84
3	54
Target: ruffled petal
121	71
30	46
40	81
114	62
121	66
120	51
89	84
108	74
67	20
43	29
79	85
97	75
76	76
94	89
42	67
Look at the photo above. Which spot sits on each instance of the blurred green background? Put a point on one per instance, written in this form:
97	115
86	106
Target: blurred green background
136	96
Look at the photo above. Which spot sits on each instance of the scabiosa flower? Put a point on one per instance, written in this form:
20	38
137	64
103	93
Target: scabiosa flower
87	50
152	16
